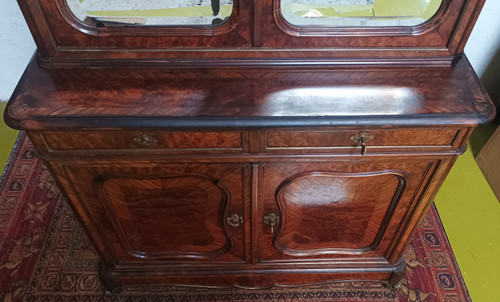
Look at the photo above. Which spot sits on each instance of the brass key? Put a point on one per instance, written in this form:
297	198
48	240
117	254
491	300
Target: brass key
271	220
361	139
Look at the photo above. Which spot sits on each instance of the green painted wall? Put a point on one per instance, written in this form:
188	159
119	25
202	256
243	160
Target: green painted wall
7	138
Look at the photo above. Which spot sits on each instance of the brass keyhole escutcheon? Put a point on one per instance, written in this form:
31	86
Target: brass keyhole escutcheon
235	220
145	140
361	139
271	220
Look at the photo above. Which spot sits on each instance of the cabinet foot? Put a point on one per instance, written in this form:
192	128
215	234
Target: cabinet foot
394	282
110	287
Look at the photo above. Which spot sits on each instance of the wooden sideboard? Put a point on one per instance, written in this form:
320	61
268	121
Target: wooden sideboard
249	177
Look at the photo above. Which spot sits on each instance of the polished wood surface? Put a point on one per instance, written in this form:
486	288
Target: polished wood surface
327	140
146	98
201	141
162	211
341	209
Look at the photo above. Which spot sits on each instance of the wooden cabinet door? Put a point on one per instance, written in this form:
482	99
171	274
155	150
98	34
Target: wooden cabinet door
144	211
346	209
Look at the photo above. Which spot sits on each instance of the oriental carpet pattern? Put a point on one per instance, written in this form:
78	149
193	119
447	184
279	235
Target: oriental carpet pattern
46	256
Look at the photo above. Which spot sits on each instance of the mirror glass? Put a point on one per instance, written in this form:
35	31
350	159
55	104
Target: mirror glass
358	13
151	12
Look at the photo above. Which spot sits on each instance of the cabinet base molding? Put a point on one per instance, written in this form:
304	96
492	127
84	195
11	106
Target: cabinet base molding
114	280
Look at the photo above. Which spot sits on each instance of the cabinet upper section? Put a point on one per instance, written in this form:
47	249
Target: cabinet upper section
302	13
73	33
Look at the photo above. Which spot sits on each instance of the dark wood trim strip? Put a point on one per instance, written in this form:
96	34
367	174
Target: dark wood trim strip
242	122
256	22
255	222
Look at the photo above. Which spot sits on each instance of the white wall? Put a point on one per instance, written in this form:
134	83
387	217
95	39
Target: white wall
484	42
483	48
17	47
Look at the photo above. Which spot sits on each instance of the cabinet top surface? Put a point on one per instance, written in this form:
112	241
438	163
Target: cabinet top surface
179	98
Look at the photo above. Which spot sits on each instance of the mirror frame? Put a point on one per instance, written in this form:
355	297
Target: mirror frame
170	30
315	31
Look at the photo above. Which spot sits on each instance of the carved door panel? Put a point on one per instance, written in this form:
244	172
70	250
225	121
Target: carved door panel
168	212
332	210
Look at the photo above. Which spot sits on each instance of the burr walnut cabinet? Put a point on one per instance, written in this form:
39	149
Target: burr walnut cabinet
252	151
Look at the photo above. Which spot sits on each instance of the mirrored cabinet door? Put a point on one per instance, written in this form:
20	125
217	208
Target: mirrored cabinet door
250	32
333	13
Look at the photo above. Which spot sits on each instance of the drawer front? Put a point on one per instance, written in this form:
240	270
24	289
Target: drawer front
343	140
175	141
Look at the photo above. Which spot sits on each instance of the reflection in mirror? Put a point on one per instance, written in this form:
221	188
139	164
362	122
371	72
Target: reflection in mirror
358	13
151	12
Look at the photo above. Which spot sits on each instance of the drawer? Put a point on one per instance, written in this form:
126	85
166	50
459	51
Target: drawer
172	141
343	140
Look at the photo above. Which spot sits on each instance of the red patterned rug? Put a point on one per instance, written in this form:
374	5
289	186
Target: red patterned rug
46	256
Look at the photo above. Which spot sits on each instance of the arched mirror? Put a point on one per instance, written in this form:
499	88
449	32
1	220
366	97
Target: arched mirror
358	13
151	12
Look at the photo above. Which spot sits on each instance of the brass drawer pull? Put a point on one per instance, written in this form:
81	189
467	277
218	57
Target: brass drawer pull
361	139
271	220
145	140
235	220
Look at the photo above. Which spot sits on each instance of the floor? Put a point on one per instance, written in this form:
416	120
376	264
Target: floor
469	211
